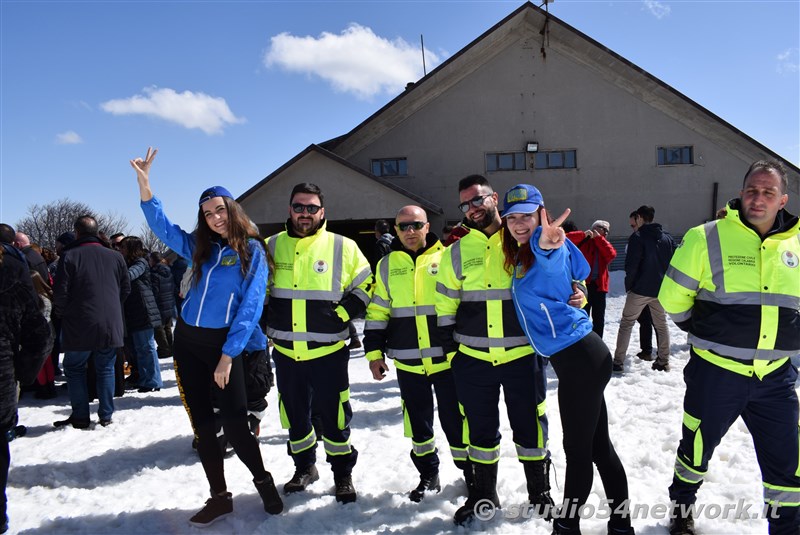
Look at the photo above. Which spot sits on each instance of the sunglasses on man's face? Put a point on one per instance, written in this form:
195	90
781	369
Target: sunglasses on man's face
416	225
312	209
474	202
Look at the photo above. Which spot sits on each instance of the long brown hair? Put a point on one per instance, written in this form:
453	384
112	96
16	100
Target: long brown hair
40	285
516	255
240	230
134	249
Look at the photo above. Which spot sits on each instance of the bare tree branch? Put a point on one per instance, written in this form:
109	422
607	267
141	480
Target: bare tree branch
44	223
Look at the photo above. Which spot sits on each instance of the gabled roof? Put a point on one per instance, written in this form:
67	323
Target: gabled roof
424	203
417	94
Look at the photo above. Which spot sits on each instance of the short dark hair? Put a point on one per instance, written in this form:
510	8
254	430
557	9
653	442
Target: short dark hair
85	225
447	228
115	236
647	213
768	166
307	187
569	225
383	226
472	180
7	233
156	257
634	214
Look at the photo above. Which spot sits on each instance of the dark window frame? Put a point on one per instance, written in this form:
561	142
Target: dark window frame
556	159
400	163
514	160
670	155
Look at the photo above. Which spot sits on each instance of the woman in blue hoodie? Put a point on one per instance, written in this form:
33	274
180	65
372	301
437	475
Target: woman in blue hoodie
544	264
218	317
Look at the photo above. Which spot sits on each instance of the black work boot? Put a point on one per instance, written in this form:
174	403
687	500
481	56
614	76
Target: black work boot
537	474
469	479
302	478
216	508
427	483
269	495
681	521
345	491
485	489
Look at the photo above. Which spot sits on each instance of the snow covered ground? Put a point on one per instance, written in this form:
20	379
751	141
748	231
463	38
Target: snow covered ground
140	475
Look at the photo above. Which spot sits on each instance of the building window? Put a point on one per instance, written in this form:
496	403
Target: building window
675	155
505	161
390	167
556	159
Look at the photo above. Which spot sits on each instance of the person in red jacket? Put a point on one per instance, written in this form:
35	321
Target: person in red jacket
599	252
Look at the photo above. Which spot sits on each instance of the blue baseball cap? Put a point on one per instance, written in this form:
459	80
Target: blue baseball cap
522	199
214	191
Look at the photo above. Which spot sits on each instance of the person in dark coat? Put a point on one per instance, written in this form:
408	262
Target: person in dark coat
178	269
25	342
164	292
91	284
35	259
142	316
14	258
646	261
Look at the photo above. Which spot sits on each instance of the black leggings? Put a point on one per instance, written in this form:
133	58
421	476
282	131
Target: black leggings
197	353
583	370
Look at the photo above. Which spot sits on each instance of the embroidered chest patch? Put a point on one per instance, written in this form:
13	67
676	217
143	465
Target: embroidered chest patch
433	269
320	266
228	260
789	259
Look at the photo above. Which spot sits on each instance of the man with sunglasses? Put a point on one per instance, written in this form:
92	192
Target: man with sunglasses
319	281
401	324
480	332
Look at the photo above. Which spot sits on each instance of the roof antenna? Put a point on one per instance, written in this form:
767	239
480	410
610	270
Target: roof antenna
422	45
545	32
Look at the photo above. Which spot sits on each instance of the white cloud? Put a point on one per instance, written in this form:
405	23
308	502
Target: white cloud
658	9
788	61
68	138
356	61
190	110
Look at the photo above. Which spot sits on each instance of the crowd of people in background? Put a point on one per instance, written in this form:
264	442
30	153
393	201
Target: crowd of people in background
482	309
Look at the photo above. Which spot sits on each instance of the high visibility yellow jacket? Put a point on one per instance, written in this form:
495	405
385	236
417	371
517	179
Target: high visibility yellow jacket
737	294
318	283
401	318
473	301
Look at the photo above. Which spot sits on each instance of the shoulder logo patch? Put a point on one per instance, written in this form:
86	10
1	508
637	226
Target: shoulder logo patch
790	259
320	266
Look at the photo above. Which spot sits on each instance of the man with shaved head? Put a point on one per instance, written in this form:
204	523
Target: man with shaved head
35	260
401	325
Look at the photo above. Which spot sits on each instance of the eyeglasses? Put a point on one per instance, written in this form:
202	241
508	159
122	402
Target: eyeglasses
604	229
416	225
312	209
475	202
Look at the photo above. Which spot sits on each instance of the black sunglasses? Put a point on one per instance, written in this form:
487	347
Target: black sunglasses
312	209
475	202
416	225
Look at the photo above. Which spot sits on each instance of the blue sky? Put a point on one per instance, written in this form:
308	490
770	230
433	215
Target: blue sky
229	91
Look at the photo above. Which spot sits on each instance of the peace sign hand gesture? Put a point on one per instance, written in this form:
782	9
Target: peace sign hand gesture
142	168
552	236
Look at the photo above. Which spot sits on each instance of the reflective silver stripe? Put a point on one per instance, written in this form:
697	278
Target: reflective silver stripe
535	453
271	246
447	292
308	337
484	455
336	273
304	444
444	321
715	256
455	258
479	341
681	316
683	279
742	353
380	301
359	279
781	496
458	454
684	473
384	272
334	448
305	295
361	295
486	295
750	298
423	449
375	325
409	354
413	311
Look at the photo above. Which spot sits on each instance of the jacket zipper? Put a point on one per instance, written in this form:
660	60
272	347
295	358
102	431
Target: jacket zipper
549	319
228	311
205	290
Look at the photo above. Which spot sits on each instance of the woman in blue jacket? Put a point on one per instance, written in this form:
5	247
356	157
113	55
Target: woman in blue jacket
218	317
544	264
